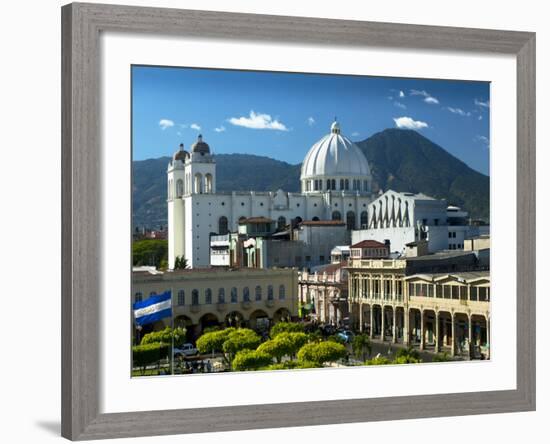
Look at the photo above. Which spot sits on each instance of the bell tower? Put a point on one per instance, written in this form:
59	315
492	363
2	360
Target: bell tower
176	205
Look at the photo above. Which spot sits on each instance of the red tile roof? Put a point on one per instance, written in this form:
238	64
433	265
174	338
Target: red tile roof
369	244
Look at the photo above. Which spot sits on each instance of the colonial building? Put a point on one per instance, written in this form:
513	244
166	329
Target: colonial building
439	301
336	184
323	294
209	297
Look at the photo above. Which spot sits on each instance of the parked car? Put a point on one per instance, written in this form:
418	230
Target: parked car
346	335
185	350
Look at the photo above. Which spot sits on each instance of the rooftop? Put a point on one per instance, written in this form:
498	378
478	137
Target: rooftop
255	220
369	244
465	276
323	223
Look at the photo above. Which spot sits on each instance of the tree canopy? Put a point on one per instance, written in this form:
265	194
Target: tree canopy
149	252
165	336
251	360
288	327
322	352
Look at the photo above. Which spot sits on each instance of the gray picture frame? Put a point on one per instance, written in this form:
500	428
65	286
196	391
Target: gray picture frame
81	244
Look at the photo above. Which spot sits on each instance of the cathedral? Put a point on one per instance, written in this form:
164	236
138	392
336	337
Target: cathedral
336	184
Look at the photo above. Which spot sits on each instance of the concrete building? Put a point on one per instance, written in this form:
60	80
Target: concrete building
323	294
208	297
257	244
404	218
438	302
336	184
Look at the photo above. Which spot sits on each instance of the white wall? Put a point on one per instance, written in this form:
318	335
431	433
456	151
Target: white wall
30	79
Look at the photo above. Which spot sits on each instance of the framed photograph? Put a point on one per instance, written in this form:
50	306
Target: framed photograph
278	221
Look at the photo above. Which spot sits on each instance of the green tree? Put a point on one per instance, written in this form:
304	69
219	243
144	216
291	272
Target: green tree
284	344
361	346
379	360
180	263
322	352
213	341
149	252
240	339
147	354
442	357
250	360
406	359
165	336
409	353
288	327
291	365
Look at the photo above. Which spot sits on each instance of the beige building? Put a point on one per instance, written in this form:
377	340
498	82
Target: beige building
208	297
415	302
323	294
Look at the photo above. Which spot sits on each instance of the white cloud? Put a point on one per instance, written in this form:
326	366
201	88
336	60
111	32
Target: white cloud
401	94
165	123
220	129
400	105
428	98
431	100
258	121
480	118
484	140
481	103
355	134
310	121
409	123
195	126
459	111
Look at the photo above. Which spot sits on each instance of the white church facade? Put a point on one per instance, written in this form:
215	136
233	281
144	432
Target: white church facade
336	184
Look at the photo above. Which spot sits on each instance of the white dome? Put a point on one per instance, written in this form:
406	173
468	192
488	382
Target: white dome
335	156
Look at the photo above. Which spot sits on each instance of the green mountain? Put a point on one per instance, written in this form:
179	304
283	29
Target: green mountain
401	160
404	160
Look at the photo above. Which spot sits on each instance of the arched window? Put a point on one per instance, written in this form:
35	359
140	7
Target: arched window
208	296
336	215
341	184
270	292
350	220
281	292
221	296
346	184
315	218
365	185
234	295
246	294
198	183
258	293
223	225
333	183
181	297
179	188
208	183
195	297
281	222
138	297
329	184
364	219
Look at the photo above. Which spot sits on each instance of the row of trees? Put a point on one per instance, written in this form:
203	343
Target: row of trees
243	348
156	346
154	252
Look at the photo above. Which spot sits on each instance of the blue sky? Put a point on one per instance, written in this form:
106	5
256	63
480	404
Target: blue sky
281	115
